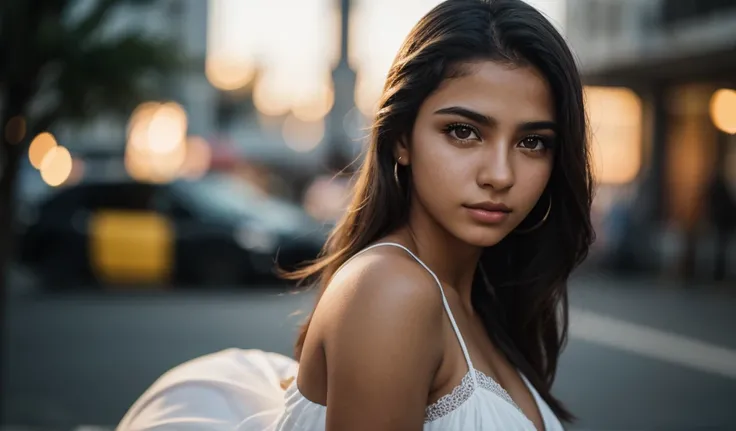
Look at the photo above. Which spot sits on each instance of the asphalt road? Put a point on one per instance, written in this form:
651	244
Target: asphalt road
641	357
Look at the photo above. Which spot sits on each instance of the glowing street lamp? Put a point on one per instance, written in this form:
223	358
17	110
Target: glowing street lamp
229	63
40	147
157	142
56	166
723	110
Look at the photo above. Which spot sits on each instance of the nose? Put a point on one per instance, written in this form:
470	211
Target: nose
496	169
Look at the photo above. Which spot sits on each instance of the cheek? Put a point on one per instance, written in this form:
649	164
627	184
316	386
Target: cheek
439	169
531	183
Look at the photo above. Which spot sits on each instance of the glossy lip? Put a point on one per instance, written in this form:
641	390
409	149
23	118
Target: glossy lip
490	207
488	212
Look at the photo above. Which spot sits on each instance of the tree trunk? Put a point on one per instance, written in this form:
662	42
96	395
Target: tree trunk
13	104
7	203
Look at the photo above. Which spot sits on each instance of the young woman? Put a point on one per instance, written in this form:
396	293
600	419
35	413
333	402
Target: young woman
443	301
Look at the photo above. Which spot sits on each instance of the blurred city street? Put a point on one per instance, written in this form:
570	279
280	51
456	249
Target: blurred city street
158	157
83	358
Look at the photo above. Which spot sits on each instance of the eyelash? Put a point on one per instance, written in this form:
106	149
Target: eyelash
546	141
455	126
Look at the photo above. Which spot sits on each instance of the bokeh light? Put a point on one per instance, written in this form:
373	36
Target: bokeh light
294	65
313	102
40	146
231	36
368	89
167	128
270	97
139	123
229	74
302	136
616	133
371	52
56	166
157	147
723	110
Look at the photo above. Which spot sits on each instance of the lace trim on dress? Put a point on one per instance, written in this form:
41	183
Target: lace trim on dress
453	400
447	403
488	383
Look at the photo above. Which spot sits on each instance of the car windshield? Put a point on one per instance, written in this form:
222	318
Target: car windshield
220	194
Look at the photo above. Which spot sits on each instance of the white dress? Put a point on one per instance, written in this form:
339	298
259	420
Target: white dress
241	390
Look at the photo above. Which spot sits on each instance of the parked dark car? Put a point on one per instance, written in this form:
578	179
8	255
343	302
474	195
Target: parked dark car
210	231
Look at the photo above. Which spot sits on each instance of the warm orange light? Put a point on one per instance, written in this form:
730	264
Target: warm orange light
269	96
368	90
616	133
229	73
372	52
135	164
156	147
723	110
315	102
40	146
145	166
56	166
302	136
231	37
167	167
139	123
167	128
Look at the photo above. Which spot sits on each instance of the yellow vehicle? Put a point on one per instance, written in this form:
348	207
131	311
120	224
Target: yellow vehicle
213	231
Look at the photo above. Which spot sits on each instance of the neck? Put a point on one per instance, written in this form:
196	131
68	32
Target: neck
453	261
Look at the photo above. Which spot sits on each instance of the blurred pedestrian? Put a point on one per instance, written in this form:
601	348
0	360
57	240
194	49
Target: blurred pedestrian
443	289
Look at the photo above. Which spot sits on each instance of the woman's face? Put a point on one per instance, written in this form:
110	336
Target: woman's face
482	151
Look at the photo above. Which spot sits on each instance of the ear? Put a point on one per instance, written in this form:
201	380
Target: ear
401	153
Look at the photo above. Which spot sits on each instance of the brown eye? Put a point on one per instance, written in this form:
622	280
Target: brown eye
534	143
462	132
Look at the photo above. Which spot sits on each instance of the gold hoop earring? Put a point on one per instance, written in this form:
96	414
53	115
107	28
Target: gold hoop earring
396	172
540	223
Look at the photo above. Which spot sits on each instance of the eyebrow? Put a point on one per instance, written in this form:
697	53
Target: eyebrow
490	121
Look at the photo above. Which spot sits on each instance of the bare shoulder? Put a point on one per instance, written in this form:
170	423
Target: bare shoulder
381	283
382	341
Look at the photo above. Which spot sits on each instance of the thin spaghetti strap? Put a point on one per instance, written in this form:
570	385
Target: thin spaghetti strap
459	336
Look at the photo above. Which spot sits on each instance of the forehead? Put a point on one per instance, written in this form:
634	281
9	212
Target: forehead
505	92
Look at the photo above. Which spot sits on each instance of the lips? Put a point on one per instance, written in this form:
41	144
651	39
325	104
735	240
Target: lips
490	206
489	213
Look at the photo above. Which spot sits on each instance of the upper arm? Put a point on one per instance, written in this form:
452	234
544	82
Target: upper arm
382	346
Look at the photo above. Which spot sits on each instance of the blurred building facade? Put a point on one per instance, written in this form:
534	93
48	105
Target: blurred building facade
226	119
675	55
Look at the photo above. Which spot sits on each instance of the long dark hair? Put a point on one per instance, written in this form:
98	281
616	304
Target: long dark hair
521	290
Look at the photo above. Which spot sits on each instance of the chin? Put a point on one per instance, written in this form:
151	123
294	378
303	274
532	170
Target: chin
484	236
